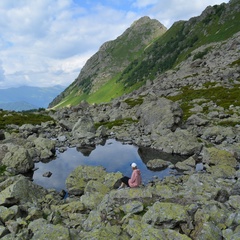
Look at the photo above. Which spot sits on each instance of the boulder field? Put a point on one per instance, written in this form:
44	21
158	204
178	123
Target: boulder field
195	205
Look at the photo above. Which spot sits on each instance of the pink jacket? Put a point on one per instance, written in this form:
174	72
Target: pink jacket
136	178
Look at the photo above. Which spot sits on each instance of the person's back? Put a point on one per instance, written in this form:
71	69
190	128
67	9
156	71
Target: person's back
134	181
136	178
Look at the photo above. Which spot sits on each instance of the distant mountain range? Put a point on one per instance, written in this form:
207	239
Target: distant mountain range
26	98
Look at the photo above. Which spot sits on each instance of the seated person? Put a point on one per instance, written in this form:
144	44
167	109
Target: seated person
134	181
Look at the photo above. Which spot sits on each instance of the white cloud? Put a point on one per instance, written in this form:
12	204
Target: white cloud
46	42
168	12
42	38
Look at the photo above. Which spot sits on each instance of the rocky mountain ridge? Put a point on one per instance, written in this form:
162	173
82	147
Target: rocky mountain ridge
164	52
112	57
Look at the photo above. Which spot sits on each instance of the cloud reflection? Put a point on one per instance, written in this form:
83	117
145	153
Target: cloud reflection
113	156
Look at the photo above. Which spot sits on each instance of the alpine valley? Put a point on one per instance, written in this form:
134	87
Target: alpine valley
26	98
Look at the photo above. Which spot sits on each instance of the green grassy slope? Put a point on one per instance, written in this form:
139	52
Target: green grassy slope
180	40
97	80
215	24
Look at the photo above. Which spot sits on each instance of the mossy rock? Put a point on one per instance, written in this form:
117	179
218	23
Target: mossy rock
167	214
214	156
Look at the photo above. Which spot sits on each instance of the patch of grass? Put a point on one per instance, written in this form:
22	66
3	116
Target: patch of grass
112	124
209	84
20	118
107	92
73	98
237	62
193	75
228	123
223	97
133	102
2	169
208	144
110	90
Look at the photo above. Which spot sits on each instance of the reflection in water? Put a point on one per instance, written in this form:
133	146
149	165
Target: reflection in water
86	150
148	154
113	156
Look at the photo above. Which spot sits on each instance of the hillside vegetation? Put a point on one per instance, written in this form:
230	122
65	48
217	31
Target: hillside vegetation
26	117
97	80
127	63
215	24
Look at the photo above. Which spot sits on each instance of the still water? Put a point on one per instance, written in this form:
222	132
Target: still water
114	156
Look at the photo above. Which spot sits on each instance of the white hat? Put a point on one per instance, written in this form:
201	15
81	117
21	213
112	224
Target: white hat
133	165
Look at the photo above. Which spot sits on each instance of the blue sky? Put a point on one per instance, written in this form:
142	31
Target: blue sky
46	42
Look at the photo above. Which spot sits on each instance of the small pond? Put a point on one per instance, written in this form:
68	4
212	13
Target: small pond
113	156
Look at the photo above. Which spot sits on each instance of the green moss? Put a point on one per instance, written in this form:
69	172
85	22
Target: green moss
237	62
209	84
133	102
112	124
193	75
228	123
221	96
20	118
2	169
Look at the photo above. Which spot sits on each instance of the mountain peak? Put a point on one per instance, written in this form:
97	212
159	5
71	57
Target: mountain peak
141	21
146	50
114	56
144	20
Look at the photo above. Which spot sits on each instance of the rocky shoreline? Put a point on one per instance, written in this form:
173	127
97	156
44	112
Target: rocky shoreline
196	205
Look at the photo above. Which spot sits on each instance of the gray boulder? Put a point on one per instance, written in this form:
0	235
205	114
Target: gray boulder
156	164
188	164
84	128
29	128
132	207
215	156
104	232
234	202
45	147
80	176
200	187
179	142
138	230
18	159
197	120
66	125
218	134
22	190
159	115
3	151
229	234
221	163
166	214
207	230
42	230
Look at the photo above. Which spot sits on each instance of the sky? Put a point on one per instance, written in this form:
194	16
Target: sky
44	43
